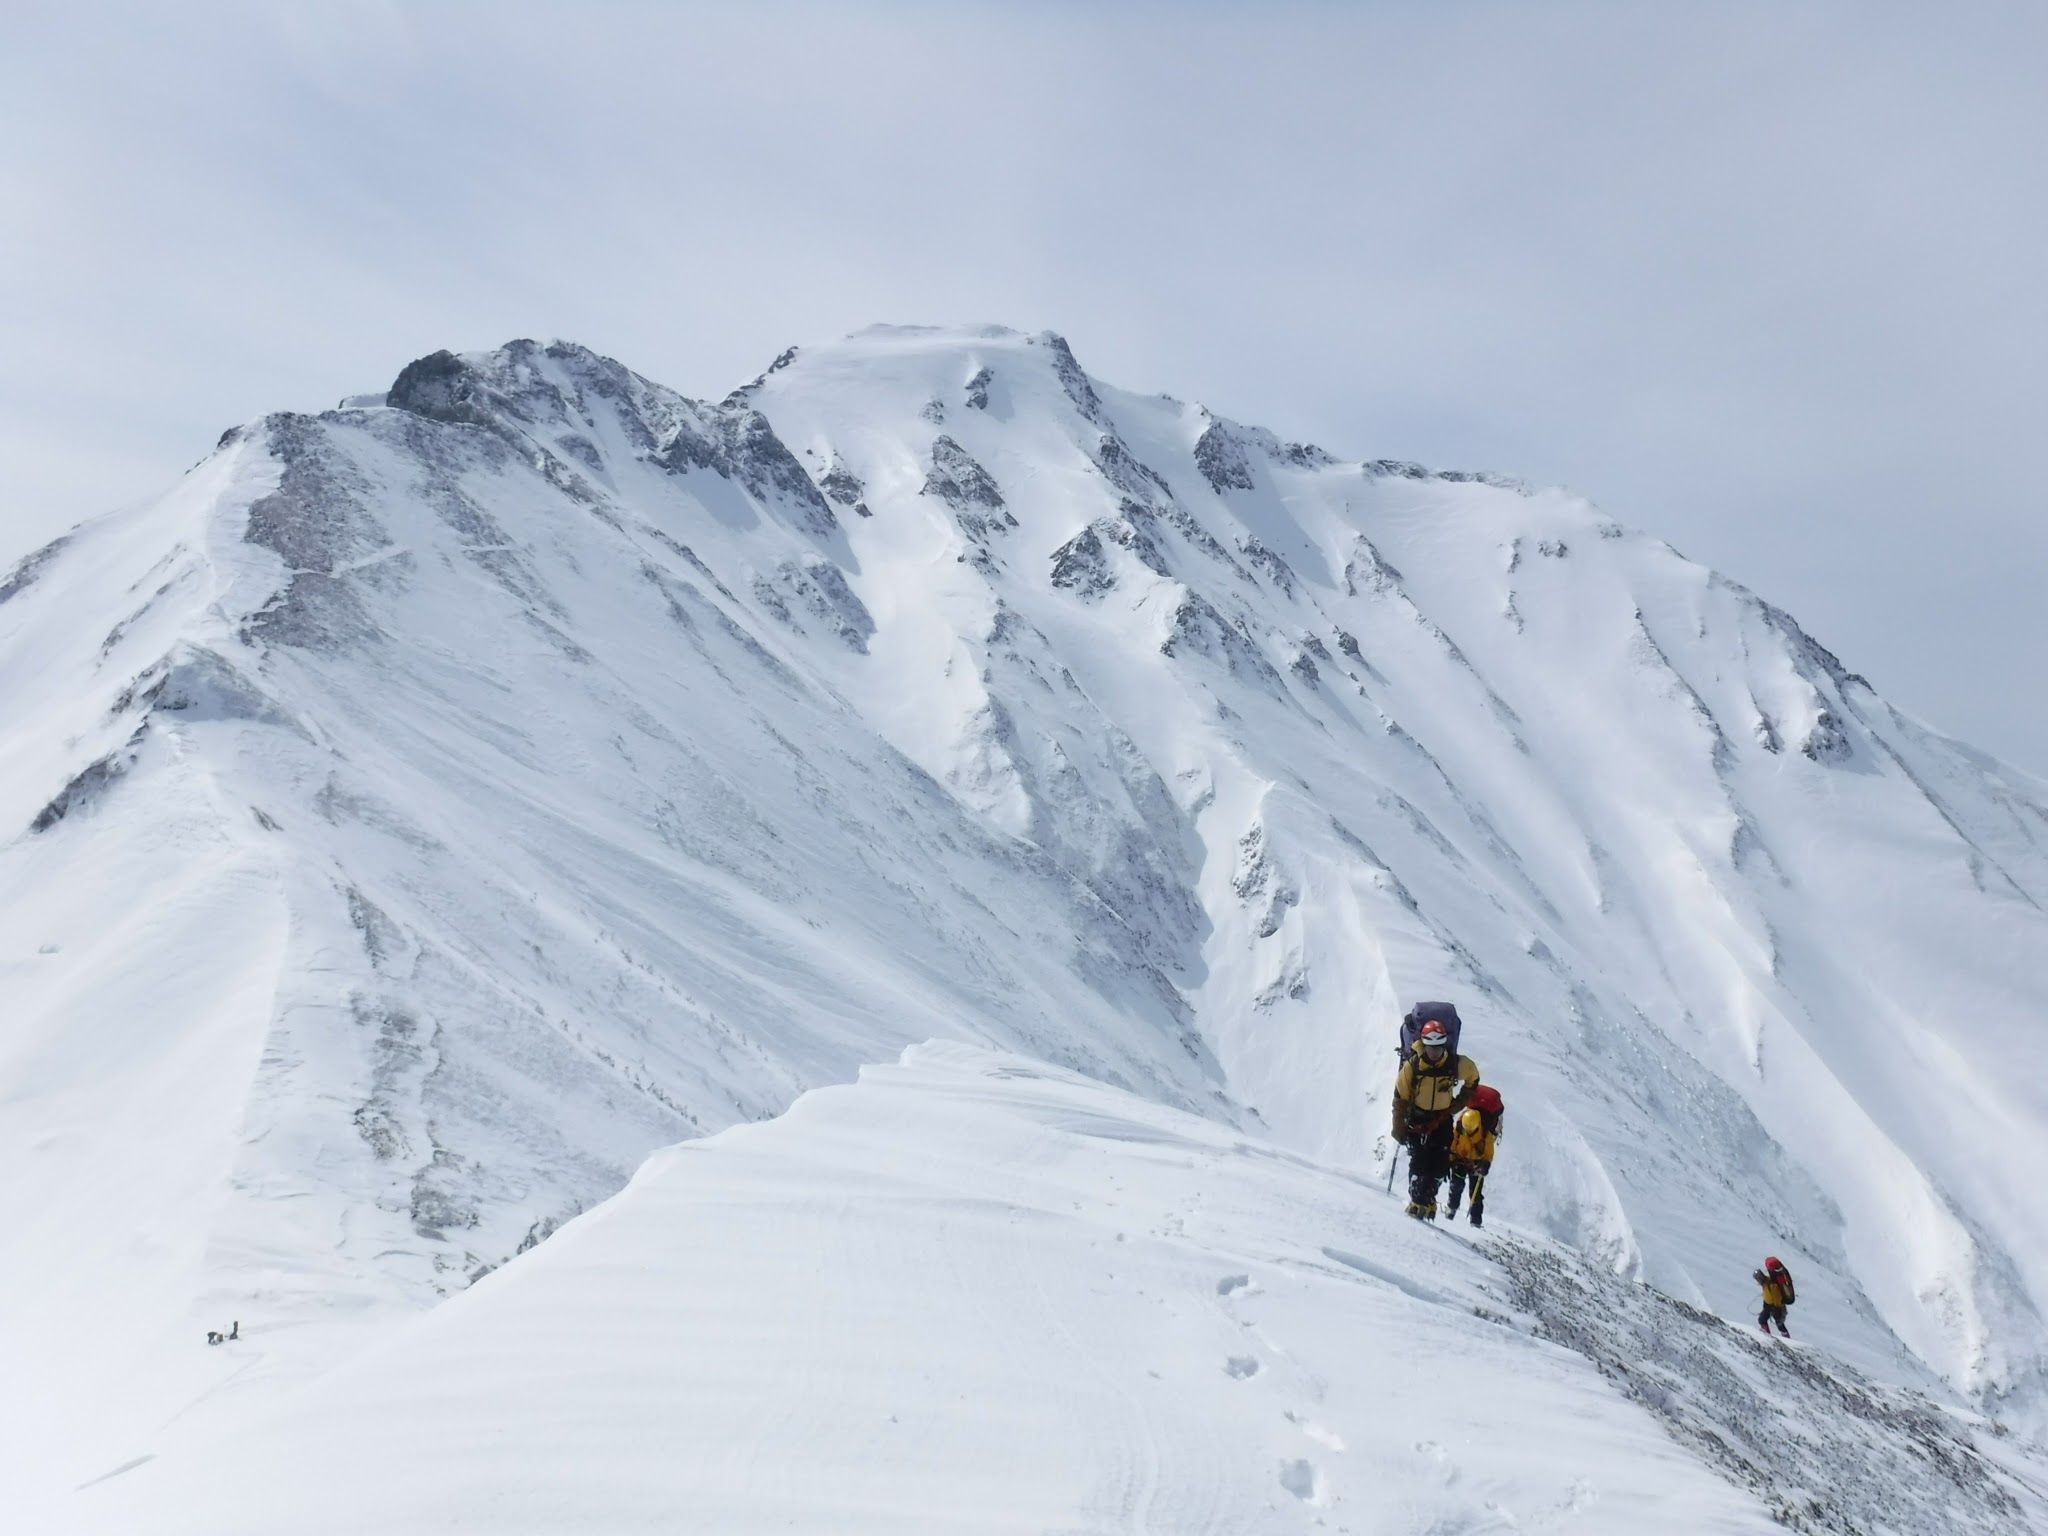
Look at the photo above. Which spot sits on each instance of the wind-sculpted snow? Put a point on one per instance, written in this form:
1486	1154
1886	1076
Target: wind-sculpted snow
1050	1307
470	794
1054	1306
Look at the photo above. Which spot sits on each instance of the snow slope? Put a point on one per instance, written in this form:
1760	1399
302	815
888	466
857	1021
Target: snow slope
380	905
978	1294
428	810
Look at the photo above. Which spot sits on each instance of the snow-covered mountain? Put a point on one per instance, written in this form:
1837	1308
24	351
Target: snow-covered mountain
432	807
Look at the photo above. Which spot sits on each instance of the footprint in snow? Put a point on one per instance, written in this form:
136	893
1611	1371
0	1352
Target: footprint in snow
1241	1366
1301	1479
1230	1284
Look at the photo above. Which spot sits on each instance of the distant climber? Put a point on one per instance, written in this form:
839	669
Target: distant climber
1473	1132
1776	1280
215	1336
1435	1082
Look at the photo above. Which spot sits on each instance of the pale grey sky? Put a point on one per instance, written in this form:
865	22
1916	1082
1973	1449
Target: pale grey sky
1765	280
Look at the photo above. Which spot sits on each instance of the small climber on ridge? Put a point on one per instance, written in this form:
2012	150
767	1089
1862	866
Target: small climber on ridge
1778	1295
1434	1084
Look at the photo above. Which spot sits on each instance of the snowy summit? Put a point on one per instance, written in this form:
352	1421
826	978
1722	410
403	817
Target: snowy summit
1038	803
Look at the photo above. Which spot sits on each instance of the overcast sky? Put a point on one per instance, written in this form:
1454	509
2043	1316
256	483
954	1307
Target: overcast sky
1767	281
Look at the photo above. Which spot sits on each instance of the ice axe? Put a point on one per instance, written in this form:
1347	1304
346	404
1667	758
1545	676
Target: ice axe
1393	1163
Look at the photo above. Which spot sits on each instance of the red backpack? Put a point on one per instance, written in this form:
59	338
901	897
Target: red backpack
1781	1277
1487	1101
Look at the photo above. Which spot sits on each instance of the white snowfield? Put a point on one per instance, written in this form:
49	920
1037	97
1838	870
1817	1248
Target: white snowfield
427	811
971	1294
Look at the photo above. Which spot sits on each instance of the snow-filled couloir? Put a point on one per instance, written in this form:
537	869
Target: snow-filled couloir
432	807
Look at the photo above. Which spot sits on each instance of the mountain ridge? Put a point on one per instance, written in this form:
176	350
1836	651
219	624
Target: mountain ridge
1056	1306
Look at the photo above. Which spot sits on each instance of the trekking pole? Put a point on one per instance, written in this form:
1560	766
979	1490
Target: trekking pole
1393	1163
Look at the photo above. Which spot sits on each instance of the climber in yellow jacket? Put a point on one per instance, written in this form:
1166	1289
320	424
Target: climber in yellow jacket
1433	1085
1776	1281
1471	1157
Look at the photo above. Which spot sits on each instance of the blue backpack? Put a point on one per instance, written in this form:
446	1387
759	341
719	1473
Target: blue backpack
1445	1014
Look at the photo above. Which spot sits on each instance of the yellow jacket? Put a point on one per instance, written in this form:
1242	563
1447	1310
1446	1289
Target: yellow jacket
1425	1095
1774	1293
1470	1140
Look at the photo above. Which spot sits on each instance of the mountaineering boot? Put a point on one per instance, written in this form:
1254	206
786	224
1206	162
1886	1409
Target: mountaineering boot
1473	1218
1415	1210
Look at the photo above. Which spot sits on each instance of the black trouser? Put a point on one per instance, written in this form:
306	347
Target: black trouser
1476	1172
1429	1159
1773	1313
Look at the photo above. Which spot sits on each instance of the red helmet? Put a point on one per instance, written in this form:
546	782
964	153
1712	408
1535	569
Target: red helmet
1773	1264
1434	1034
